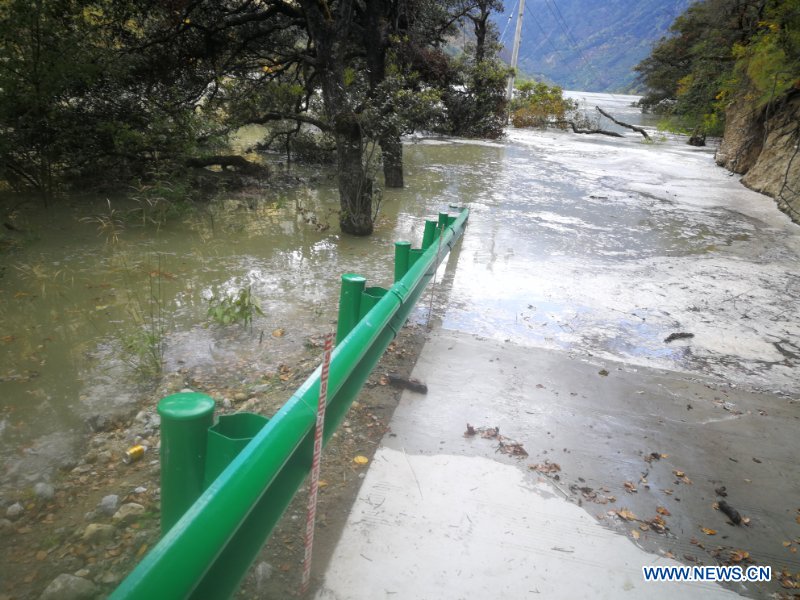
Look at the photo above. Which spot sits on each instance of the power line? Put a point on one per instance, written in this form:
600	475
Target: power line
546	36
508	22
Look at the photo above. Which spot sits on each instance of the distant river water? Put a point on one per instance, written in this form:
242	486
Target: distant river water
583	244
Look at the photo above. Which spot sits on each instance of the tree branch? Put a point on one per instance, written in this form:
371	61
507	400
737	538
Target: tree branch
621	124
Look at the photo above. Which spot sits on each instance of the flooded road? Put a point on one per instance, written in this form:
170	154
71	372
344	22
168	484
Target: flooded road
589	245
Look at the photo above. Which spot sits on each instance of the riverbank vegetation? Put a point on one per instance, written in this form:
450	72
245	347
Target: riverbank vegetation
721	51
97	95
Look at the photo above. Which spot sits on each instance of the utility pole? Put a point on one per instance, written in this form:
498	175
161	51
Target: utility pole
515	50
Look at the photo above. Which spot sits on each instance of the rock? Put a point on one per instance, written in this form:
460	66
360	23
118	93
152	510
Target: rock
6	525
239	397
96	533
128	513
111	578
226	403
105	457
84	573
263	572
69	587
109	504
97	423
15	511
44	491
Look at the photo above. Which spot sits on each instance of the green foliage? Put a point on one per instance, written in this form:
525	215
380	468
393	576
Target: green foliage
721	50
540	105
475	105
144	344
82	96
238	308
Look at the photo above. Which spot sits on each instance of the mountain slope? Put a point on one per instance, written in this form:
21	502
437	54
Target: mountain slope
587	45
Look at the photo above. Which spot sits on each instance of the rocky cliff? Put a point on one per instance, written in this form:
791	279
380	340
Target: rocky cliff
764	145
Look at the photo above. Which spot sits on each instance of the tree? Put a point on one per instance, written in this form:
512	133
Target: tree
718	50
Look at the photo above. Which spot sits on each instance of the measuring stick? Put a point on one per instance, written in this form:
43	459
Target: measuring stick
314	487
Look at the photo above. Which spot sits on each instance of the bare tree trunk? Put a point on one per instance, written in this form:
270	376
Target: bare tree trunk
392	150
355	188
329	35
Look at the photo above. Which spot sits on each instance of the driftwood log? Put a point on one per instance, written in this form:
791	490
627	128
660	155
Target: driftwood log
576	129
622	124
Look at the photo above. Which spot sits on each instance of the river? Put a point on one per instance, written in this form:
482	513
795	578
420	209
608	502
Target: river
594	245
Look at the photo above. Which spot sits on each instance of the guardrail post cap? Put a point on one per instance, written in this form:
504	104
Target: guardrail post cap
186	406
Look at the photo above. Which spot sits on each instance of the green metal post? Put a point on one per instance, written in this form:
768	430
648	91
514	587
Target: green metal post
369	298
429	235
443	220
414	255
185	419
349	304
401	251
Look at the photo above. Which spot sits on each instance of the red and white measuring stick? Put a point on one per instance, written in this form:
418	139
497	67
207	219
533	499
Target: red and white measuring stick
314	487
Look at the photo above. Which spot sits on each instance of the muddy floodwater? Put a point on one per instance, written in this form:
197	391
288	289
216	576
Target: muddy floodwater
588	244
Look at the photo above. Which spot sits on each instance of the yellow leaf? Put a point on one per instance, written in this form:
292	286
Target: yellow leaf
635	534
663	511
361	460
624	513
708	531
739	555
278	332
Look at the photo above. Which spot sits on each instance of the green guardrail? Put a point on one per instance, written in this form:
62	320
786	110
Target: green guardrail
225	485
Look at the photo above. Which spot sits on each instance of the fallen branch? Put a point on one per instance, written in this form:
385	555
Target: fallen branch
239	163
576	129
621	124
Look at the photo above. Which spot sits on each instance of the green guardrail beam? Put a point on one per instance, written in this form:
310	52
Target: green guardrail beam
207	552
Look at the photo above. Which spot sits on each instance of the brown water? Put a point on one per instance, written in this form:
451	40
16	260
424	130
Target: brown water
596	246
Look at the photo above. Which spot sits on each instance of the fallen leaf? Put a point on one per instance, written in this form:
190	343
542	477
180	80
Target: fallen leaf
663	511
41	555
360	460
787	544
629	487
635	534
384	380
739	555
678	473
669	554
658	524
546	467
470	429
141	551
624	513
603	372
708	531
278	332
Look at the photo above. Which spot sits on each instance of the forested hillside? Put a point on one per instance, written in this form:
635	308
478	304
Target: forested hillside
733	67
588	45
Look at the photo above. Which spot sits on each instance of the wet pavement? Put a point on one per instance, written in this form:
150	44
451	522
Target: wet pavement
441	507
556	326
